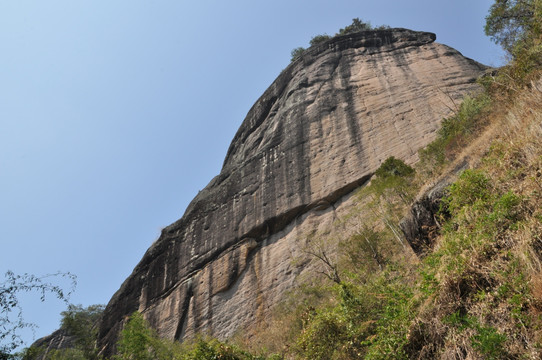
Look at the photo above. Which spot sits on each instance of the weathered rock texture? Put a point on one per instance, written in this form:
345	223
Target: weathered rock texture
317	133
58	340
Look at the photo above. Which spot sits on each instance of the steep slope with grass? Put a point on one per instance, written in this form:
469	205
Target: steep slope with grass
319	132
472	215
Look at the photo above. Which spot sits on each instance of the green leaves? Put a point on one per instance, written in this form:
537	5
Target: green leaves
394	167
139	342
11	314
508	21
319	39
297	53
356	26
81	323
471	187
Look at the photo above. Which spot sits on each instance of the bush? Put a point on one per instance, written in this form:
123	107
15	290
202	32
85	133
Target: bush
81	323
393	176
464	121
516	25
489	342
471	187
356	26
139	342
297	53
319	39
394	167
455	132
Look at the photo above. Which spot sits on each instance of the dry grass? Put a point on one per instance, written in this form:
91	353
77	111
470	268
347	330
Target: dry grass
481	285
485	294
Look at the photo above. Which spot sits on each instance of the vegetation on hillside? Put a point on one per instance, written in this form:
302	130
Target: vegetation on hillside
476	293
357	25
79	326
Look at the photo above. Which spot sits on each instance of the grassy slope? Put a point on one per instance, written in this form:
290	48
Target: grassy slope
478	291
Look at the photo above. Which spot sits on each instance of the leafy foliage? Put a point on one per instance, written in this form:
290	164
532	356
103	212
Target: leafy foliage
359	324
516	25
509	21
139	342
319	39
81	323
11	313
356	26
80	326
455	132
297	53
393	167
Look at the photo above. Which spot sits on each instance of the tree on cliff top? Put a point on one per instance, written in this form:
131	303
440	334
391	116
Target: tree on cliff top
357	25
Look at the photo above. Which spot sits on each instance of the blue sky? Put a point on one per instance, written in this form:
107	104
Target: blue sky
113	114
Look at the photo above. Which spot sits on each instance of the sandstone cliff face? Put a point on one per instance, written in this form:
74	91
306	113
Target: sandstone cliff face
317	133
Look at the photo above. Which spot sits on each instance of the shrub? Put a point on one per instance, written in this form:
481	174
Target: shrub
297	53
356	26
489	342
393	176
394	167
319	39
471	187
464	121
136	340
455	132
81	323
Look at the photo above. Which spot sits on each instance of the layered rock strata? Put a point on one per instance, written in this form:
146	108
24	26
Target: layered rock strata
317	133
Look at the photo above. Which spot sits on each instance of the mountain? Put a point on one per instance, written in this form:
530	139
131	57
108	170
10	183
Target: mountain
316	134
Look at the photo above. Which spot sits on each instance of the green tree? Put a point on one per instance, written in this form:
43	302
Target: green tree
297	53
356	26
11	313
135	340
509	21
319	39
81	323
395	176
394	167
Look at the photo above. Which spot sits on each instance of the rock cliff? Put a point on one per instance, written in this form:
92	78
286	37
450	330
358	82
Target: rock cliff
316	134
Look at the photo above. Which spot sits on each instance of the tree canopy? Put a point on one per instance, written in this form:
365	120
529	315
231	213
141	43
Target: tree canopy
357	25
510	21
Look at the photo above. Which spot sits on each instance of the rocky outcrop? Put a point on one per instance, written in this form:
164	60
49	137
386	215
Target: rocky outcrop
421	225
317	133
58	340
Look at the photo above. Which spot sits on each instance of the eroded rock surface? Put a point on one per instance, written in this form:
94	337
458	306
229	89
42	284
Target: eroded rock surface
317	133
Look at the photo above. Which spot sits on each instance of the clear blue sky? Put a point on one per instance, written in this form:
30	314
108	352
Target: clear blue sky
113	114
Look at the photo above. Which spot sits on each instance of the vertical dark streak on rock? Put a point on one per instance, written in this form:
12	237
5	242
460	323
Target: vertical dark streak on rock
209	299
184	311
352	121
